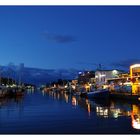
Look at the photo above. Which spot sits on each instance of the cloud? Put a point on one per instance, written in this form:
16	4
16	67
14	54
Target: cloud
59	38
126	63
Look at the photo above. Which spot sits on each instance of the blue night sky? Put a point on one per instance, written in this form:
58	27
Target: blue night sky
69	37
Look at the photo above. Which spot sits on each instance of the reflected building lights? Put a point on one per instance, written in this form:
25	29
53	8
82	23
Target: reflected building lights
112	110
74	101
58	96
87	101
135	116
29	91
88	106
54	95
135	120
102	111
66	98
89	109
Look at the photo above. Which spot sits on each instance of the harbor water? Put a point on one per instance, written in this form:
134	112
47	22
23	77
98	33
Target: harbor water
62	113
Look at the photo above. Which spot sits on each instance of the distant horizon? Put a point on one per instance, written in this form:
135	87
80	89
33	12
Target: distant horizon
72	68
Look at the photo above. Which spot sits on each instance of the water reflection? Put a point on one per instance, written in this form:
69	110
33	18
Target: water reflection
6	100
135	116
113	109
120	109
66	98
59	111
88	106
31	91
58	95
74	101
103	109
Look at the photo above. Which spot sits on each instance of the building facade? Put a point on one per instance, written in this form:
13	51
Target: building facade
101	76
86	77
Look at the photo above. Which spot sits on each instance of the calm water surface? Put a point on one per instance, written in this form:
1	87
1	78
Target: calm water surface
51	113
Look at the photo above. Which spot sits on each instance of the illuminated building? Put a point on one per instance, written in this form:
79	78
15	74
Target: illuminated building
135	70
102	76
135	78
123	78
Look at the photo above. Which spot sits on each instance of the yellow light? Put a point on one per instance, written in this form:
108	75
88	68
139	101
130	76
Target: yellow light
74	102
134	66
131	67
87	86
135	124
89	109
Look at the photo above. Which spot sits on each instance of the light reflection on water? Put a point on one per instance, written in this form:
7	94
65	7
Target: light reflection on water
106	109
62	113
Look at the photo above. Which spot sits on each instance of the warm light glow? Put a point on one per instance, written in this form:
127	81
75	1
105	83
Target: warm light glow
66	98
127	83
131	67
74	102
87	86
135	125
89	109
134	66
135	121
134	82
86	101
105	86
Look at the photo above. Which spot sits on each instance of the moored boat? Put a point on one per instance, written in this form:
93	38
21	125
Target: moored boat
102	93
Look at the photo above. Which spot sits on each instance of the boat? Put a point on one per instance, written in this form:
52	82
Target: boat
102	93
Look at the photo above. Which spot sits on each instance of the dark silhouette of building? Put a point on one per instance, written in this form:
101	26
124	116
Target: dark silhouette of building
84	77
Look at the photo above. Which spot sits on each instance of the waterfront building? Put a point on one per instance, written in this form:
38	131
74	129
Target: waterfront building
102	76
135	78
86	77
123	78
135	70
